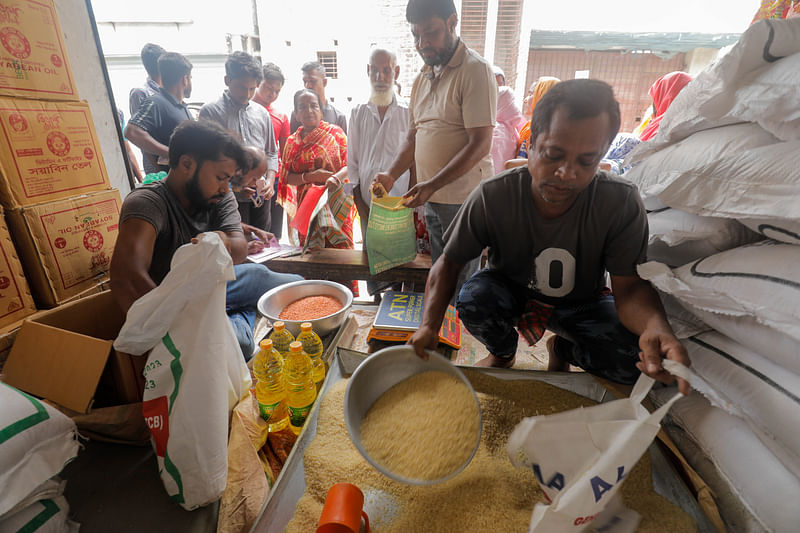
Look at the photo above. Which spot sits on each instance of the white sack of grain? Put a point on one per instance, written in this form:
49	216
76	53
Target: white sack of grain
195	374
677	237
783	230
36	441
658	169
761	182
711	96
582	456
743	473
49	515
755	388
751	294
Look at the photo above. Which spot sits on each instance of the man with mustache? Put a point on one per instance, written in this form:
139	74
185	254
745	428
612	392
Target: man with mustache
453	109
194	198
553	229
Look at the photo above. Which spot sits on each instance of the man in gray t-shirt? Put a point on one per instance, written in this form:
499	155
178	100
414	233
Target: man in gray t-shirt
553	229
194	198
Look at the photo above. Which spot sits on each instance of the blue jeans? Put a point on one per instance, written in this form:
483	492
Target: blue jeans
589	334
241	299
438	218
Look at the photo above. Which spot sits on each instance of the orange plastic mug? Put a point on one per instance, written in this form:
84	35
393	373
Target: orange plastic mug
343	510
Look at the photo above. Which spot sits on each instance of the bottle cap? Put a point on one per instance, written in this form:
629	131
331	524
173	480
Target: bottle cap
305	326
266	344
295	347
279	325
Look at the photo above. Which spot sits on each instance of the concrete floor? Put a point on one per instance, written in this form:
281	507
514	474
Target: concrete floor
113	487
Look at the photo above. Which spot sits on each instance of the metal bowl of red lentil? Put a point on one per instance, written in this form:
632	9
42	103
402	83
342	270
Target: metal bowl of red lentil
323	303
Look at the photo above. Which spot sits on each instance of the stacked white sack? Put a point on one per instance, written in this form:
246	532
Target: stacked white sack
45	510
36	441
750	294
751	486
729	145
739	87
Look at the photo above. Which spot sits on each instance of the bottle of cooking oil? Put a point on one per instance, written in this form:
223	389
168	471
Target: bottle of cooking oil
270	388
281	338
312	345
300	389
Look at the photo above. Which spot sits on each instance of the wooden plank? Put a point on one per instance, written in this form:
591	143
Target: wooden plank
336	264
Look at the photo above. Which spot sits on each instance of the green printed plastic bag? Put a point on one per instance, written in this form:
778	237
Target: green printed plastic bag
390	239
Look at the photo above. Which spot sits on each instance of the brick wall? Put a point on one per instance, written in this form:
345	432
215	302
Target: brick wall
630	74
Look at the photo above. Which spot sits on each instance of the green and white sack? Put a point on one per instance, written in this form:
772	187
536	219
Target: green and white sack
195	374
391	238
36	441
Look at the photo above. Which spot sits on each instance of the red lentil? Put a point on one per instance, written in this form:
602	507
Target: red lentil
311	308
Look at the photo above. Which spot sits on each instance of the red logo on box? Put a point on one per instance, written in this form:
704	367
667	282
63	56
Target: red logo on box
60	243
58	143
56	60
93	241
17	122
15	42
4	282
156	415
88	153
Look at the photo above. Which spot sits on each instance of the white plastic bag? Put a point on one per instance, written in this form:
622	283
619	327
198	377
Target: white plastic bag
581	456
195	374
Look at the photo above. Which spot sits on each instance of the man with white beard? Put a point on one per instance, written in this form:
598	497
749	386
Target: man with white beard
376	133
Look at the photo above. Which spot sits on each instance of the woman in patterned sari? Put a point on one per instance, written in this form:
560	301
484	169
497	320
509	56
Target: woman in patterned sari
316	154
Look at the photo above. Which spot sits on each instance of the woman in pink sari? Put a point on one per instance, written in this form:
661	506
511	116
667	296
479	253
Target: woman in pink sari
316	154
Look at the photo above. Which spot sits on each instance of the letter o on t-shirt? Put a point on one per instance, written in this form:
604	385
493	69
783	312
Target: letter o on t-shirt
555	272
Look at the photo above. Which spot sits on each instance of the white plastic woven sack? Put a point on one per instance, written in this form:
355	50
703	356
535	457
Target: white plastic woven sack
771	98
756	389
43	516
761	182
658	169
36	441
195	374
581	456
778	229
677	237
751	294
745	476
708	99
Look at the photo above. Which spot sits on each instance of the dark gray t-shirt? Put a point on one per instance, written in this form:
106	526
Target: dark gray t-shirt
157	204
559	259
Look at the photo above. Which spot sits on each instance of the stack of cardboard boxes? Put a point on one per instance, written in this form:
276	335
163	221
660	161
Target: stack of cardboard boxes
54	188
63	218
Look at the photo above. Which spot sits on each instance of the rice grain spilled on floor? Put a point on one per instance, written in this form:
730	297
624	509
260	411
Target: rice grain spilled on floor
434	411
490	495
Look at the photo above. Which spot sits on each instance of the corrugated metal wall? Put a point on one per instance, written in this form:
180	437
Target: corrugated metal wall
506	44
630	74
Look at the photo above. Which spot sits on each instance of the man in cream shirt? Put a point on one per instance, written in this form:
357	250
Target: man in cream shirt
453	109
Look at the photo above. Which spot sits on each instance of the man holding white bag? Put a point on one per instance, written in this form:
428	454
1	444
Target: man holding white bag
553	229
194	198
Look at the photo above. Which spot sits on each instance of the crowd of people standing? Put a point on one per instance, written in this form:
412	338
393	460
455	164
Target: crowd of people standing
553	223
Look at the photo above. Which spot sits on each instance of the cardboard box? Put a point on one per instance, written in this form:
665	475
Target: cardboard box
33	58
66	245
66	355
48	151
16	301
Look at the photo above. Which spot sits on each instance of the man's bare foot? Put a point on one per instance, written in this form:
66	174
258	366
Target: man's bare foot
496	362
555	363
